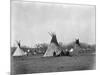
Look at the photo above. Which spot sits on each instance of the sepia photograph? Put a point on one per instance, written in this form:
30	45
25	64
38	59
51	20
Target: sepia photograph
52	37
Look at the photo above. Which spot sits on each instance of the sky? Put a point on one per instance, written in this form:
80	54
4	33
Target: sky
31	22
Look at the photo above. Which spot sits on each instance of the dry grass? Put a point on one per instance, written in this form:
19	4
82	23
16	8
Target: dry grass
37	64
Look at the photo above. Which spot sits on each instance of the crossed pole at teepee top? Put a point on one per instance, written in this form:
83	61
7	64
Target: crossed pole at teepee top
18	43
51	33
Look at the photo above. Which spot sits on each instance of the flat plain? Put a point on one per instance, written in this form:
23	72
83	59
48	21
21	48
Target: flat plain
39	64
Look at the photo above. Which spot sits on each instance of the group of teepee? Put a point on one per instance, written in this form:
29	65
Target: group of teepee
52	50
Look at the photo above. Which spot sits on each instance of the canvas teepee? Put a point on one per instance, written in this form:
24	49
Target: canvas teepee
19	51
75	50
53	47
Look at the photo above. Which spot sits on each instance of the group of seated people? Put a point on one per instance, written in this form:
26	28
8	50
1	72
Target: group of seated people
67	53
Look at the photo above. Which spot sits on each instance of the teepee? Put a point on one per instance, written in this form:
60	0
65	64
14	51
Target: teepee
75	50
19	51
53	47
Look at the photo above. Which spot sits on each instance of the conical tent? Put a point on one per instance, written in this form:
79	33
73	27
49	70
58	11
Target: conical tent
53	47
75	51
19	52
